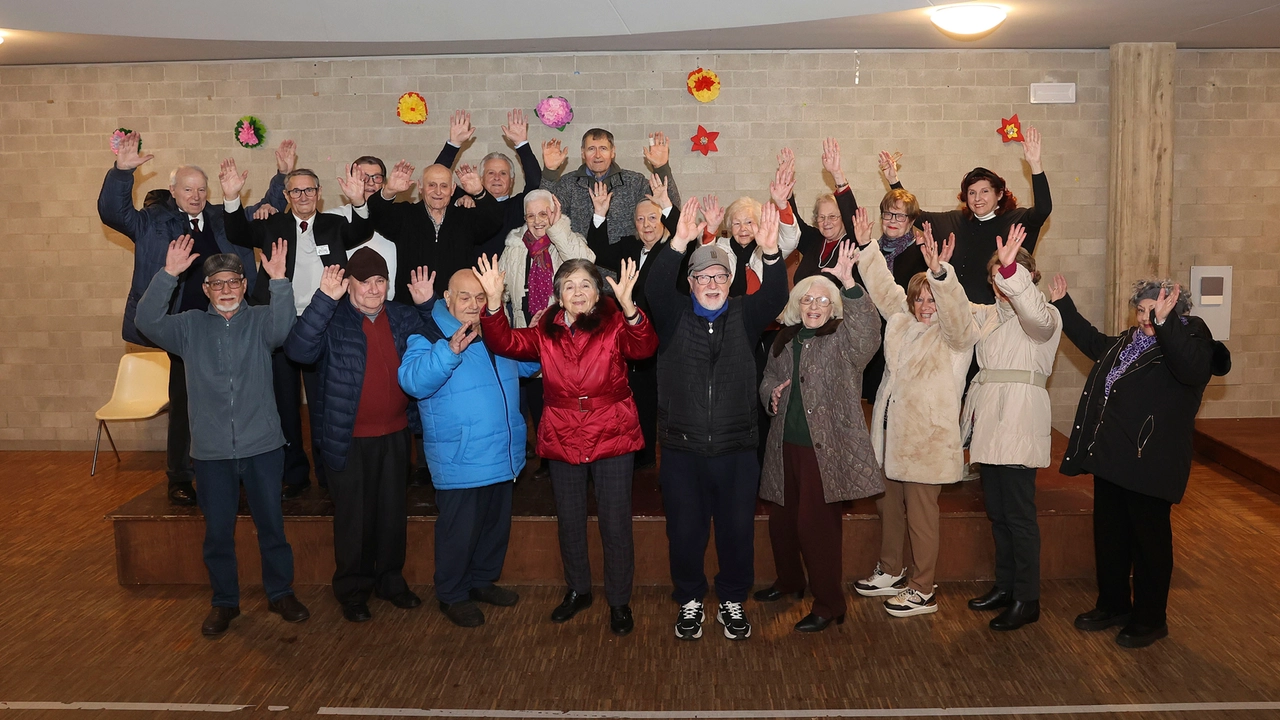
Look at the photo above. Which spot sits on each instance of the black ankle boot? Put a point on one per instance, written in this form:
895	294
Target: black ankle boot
1016	615
995	599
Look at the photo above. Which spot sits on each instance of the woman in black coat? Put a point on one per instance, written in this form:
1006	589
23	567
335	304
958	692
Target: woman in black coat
1132	432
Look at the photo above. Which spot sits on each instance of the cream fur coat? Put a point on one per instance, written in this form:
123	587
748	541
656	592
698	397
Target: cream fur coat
565	245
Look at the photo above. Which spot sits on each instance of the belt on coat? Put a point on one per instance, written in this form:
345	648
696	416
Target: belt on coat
1026	377
585	403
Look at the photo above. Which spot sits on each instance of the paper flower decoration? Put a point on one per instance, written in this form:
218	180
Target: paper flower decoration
704	85
554	112
249	132
1010	129
117	137
412	109
705	141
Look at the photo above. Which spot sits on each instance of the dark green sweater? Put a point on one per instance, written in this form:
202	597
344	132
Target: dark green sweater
795	428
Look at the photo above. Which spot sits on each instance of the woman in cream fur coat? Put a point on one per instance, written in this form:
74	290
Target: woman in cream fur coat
915	427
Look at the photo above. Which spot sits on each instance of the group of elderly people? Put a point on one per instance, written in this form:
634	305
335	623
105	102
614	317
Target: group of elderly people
621	320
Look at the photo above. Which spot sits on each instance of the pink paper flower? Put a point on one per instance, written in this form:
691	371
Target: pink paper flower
247	135
554	112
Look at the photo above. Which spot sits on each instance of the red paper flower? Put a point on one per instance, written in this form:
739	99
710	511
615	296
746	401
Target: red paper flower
1010	129
705	141
703	85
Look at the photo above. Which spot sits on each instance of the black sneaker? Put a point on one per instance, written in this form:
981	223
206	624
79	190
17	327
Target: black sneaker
463	614
689	621
620	620
734	620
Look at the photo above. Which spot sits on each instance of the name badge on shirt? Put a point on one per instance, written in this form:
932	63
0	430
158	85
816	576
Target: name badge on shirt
322	249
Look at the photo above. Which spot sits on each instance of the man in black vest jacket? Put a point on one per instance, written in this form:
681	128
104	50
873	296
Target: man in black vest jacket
316	241
707	415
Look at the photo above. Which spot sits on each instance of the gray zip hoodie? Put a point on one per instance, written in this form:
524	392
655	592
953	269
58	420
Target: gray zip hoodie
232	403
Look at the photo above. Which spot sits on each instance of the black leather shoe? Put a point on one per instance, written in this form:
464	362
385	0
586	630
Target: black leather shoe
620	620
182	494
406	600
292	492
573	603
817	623
772	594
1096	620
542	473
1016	615
1139	636
290	609
420	477
219	620
463	614
993	600
356	612
494	595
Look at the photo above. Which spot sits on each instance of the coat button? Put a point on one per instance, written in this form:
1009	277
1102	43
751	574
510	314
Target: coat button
817	446
801	378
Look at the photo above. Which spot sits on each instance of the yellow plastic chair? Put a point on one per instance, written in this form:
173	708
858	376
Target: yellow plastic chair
141	393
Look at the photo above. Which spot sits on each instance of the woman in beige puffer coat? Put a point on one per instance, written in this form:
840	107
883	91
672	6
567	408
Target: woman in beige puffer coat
1008	412
915	427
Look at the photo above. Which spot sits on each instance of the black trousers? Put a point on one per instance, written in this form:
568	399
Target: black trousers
370	516
1131	531
1009	492
696	489
643	378
531	397
473	530
178	447
612	480
289	378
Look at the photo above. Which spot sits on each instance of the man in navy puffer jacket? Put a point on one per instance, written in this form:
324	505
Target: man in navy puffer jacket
366	439
474	436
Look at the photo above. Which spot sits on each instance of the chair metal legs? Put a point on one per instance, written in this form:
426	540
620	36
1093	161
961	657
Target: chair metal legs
102	425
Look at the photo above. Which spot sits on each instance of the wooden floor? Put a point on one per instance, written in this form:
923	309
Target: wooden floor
70	633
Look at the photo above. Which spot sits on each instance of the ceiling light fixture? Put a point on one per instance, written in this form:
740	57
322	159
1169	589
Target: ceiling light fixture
968	19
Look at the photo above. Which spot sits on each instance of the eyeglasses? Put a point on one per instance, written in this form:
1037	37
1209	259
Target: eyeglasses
376	177
534	217
828	218
299	192
895	217
233	283
819	300
718	278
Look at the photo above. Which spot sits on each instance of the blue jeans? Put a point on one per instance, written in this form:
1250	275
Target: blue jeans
219	497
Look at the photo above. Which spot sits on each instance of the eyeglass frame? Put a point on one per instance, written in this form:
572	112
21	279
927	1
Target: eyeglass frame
820	300
890	215
219	284
705	280
296	193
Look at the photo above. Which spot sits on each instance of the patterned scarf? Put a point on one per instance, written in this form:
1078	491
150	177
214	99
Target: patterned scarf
893	247
1140	344
539	283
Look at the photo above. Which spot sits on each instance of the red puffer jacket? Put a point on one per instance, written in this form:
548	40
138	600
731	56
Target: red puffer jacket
588	412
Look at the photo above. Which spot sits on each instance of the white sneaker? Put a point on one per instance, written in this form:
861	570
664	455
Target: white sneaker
734	620
689	621
910	602
881	583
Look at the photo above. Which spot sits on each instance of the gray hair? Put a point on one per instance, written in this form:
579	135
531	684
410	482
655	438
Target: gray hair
1149	289
791	314
301	172
538	195
173	174
511	166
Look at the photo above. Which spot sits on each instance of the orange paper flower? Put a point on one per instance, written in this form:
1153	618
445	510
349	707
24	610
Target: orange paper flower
1010	129
704	85
412	109
705	141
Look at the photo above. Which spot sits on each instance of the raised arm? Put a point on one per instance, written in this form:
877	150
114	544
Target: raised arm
283	311
568	244
889	297
1087	338
1038	319
1188	350
860	330
152	316
305	343
665	302
517	132
499	336
658	154
763	307
115	201
426	366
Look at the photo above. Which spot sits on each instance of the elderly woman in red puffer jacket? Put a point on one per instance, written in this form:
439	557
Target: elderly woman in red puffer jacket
589	421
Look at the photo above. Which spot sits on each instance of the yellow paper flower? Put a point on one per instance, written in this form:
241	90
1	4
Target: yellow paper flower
704	85
412	109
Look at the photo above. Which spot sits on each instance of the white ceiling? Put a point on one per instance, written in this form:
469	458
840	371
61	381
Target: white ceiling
80	31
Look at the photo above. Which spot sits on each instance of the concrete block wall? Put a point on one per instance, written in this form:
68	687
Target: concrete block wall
69	274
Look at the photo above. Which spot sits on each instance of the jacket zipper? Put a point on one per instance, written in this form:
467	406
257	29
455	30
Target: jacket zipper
1142	442
231	379
493	361
710	384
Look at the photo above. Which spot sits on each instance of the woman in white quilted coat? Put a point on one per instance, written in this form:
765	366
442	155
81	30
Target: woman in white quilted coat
915	427
1008	412
533	253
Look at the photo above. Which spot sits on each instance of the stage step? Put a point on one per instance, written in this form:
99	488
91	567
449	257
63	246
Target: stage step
1246	446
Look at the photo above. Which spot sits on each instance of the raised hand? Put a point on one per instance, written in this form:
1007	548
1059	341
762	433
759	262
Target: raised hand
688	228
845	262
553	154
399	180
767	235
1057	288
623	287
1007	252
286	156
784	181
1165	303
422	284
462	338
231	179
786	157
600	198
948	248
658	152
334	282
460	129
352	185
179	257
831	160
492	280
517	128
129	158
862	226
469	179
275	265
712	213
889	165
929	248
776	395
658	194
554	213
264	211
1031	150
466	201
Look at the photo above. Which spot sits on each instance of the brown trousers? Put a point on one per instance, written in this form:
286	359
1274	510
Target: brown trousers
807	529
909	529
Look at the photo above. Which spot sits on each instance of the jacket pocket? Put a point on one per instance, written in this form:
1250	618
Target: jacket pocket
460	455
1145	432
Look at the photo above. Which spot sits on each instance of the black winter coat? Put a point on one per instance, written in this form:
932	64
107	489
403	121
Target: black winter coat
1140	436
329	333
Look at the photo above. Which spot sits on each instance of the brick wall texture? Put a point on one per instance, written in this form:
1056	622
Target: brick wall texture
67	275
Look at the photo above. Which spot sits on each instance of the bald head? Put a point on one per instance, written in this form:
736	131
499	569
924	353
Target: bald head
190	188
465	297
437	187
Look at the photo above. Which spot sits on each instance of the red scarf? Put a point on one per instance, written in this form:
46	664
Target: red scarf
540	287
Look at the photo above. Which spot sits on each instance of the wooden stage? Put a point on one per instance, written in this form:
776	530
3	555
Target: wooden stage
157	543
1247	446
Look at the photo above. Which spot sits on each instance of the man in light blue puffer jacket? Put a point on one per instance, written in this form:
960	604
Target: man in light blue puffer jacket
473	437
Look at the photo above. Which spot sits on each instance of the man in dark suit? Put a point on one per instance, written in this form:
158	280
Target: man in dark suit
315	241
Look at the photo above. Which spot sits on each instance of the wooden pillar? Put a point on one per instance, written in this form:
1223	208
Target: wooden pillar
1140	207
